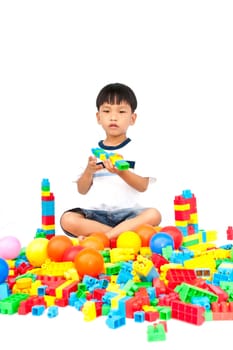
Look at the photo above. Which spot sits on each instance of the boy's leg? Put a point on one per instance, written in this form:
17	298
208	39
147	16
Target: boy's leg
78	225
148	216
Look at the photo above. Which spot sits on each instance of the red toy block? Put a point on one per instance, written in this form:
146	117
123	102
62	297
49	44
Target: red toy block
187	312
177	276
151	316
48	220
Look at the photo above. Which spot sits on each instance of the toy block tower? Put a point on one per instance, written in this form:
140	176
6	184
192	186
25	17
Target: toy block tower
185	207
47	209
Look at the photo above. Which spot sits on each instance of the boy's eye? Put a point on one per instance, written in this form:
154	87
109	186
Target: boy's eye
122	111
105	110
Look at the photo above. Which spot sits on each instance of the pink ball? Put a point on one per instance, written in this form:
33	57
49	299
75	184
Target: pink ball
10	247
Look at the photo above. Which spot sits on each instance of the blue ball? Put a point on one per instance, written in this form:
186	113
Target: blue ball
159	241
4	270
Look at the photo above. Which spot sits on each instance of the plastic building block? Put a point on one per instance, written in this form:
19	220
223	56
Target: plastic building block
189	313
156	332
116	159
52	312
115	319
38	310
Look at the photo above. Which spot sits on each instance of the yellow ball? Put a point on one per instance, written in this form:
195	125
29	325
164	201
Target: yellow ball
129	239
36	251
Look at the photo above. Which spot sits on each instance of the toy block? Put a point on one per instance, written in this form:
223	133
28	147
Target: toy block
177	276
11	304
4	291
189	313
187	291
139	316
165	313
201	301
38	310
151	316
52	312
156	332
115	319
116	159
89	310
229	233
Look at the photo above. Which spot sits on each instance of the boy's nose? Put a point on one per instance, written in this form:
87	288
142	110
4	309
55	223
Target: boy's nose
113	116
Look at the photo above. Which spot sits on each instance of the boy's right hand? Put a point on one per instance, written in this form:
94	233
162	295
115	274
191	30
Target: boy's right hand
93	166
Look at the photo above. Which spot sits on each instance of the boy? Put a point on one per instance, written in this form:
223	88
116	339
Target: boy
113	197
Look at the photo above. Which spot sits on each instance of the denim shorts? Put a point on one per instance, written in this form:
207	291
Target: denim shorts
109	218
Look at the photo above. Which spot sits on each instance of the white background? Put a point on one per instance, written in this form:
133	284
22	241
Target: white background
176	55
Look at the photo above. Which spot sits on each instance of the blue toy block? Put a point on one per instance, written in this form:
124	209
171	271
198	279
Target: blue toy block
38	310
115	319
52	311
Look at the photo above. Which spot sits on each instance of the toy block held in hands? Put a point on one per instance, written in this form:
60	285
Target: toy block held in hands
116	159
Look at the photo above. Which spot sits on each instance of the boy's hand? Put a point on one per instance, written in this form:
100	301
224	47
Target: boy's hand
93	166
110	167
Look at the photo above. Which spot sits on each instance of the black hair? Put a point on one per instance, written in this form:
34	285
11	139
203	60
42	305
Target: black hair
116	93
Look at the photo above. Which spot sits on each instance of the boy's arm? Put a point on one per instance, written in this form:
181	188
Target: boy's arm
138	182
85	181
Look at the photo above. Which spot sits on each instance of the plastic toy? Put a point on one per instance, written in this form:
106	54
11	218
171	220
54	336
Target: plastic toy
159	241
36	251
175	233
116	159
89	262
4	270
71	252
47	209
145	231
180	275
103	237
57	246
10	247
129	239
92	242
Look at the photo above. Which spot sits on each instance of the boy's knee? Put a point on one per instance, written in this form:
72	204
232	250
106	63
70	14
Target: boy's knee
64	219
156	216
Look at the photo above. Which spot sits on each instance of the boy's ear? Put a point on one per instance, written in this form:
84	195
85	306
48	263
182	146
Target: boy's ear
97	117
133	118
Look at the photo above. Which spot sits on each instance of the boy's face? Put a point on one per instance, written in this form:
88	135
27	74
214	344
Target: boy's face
115	118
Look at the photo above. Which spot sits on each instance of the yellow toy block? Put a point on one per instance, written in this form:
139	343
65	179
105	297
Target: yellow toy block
182	223
121	254
48	227
89	310
201	261
71	274
211	236
59	289
142	265
148	308
52	268
115	300
193	218
50	300
195	236
182	207
145	251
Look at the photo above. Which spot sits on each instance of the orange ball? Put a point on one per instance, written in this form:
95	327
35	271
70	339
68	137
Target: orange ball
57	246
145	231
92	242
103	237
89	262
